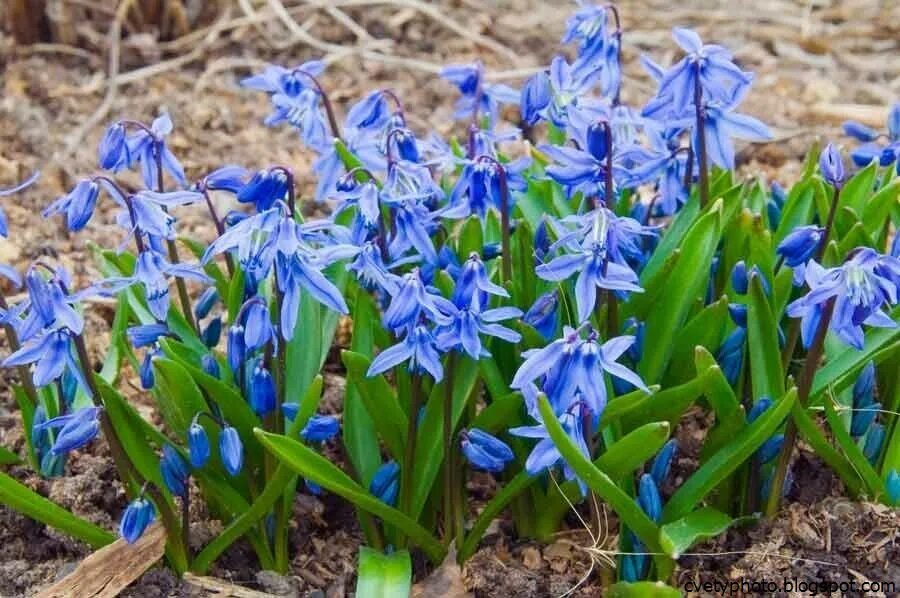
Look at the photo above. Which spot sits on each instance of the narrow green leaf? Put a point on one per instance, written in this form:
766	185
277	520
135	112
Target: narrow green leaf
762	342
726	460
678	536
877	211
28	502
625	507
857	191
854	454
496	417
687	283
383	575
7	457
380	402
320	470
703	330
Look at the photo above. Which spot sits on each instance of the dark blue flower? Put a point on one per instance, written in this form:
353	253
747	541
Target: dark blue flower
731	354
264	188
659	470
385	484
770	448
231	450
138	515
472	283
229	178
648	497
892	484
463	333
145	371
800	245
535	97
236	348
411	299
151	271
543	316
144	335
210	366
113	151
485	451
874	146
198	444
174	471
262	391
320	428
258	329
205	302
864	387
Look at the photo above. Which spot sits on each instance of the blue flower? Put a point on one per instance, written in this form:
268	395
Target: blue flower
862	288
864	387
262	391
831	164
871	149
543	316
264	188
198	444
417	347
236	349
411	299
51	352
258	329
278	79
148	212
77	205
147	147
800	245
485	451
231	450
4	225
892	483
174	471
648	497
385	484
145	371
545	455
227	178
113	153
731	354
144	335
76	429
210	366
719	78
138	515
721	124
478	94
573	365
472	283
595	260
463	333
320	428
205	302
568	86
659	470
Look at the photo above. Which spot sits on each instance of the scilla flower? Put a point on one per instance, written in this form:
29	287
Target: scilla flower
485	451
231	450
151	272
418	348
478	94
139	514
320	428
77	205
385	483
885	147
831	164
75	429
4	225
198	444
862	288
174	471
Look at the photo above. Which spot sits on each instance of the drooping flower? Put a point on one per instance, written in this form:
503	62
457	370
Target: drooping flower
174	471
75	429
139	514
77	205
418	348
320	428
470	322
151	271
884	147
385	484
146	147
478	95
198	444
231	450
485	451
412	299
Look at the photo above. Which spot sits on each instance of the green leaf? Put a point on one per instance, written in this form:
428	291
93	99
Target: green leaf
275	488
727	459
730	416
496	417
380	402
687	283
27	408
625	507
665	405
854	454
7	457
178	396
28	502
471	239
798	210
429	441
678	536
360	430
383	575
877	211
703	330
762	342
642	589
320	470
112	363
859	188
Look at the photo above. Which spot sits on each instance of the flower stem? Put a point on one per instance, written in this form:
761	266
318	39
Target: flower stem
406	478
12	339
449	490
701	140
506	264
816	350
220	229
326	103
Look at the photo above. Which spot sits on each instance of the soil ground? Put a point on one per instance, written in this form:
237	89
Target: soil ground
816	64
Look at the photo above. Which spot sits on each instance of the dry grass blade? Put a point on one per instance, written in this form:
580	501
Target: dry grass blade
211	586
111	569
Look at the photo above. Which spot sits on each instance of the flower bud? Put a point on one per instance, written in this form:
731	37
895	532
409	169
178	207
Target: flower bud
113	151
892	484
864	387
543	314
863	419
648	498
231	450
198	444
209	365
832	165
205	303
738	313
874	442
212	333
485	451
739	279
770	448
174	470
237	350
320	428
659	471
800	245
759	407
385	483
262	391
138	515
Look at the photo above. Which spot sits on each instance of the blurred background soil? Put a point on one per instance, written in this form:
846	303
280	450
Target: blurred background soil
91	62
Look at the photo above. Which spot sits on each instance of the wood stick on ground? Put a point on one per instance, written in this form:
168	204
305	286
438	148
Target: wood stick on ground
111	569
